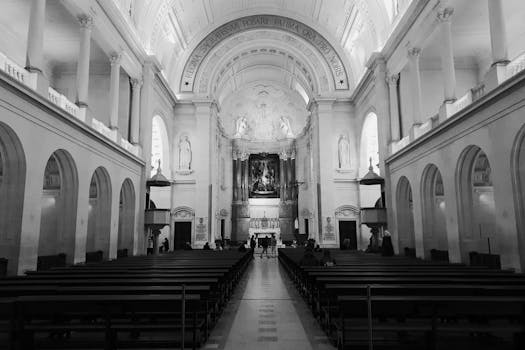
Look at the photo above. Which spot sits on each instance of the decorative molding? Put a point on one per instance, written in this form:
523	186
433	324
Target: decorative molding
183	213
240	25
346	211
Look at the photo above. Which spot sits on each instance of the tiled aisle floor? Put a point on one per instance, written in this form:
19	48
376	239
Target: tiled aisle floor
267	313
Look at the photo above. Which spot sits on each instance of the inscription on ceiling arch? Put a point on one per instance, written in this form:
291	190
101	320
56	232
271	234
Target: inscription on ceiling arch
339	74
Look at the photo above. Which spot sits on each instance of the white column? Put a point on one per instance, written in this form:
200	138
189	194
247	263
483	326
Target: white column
114	90
135	111
35	36
86	23
394	107
447	54
498	35
413	56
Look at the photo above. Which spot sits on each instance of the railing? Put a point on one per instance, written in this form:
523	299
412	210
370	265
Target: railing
129	147
398	145
104	130
16	72
515	66
459	104
478	92
423	128
62	102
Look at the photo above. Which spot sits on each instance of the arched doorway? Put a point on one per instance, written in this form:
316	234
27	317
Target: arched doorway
476	203
405	217
99	218
518	174
126	222
59	207
434	219
12	189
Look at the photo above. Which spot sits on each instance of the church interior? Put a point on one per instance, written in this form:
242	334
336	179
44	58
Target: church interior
262	174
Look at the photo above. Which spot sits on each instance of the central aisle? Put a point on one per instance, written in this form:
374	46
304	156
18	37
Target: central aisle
268	315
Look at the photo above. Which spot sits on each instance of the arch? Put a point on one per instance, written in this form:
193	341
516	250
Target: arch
518	179
12	190
369	144
433	209
160	148
126	223
475	193
59	206
248	23
405	215
99	217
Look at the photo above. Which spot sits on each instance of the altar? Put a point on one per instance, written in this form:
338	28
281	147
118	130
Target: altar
265	227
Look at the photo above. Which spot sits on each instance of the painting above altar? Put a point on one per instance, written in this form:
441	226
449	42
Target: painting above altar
264	175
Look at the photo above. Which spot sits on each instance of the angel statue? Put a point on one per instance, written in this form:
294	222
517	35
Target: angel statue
241	124
286	129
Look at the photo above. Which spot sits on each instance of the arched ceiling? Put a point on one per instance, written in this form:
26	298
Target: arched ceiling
338	35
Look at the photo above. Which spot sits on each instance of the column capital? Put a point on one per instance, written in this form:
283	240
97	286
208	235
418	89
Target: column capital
443	14
85	21
115	58
136	83
414	52
392	79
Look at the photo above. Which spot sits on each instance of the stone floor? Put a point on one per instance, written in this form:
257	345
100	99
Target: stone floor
267	313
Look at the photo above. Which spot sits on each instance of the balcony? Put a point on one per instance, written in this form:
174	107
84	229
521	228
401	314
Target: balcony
373	216
157	218
30	80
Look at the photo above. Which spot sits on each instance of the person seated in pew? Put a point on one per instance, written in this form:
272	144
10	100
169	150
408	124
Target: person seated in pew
206	246
242	247
386	248
327	259
187	246
317	248
309	259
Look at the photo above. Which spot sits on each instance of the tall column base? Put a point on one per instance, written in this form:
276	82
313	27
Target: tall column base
496	75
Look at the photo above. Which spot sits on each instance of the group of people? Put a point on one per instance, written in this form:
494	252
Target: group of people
309	258
163	248
266	242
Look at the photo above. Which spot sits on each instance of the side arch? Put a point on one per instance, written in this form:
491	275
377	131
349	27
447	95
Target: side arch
12	191
99	218
518	179
126	224
405	215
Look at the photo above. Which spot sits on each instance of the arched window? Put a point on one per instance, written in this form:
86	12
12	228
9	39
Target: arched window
159	146
369	145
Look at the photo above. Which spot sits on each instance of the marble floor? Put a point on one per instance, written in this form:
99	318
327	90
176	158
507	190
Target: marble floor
267	313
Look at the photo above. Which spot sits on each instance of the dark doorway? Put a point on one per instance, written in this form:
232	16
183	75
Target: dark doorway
348	229
223	222
306	228
182	234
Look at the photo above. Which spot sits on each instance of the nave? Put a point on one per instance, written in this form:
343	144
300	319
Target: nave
267	312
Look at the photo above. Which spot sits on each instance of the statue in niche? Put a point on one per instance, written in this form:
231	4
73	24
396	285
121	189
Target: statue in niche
184	154
241	124
344	152
286	129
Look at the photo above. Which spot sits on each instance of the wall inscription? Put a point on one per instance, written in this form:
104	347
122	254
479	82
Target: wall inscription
264	21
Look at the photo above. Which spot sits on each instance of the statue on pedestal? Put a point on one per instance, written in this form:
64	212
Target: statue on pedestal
344	152
184	155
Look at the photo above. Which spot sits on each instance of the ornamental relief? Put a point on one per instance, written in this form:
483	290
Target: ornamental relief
183	213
